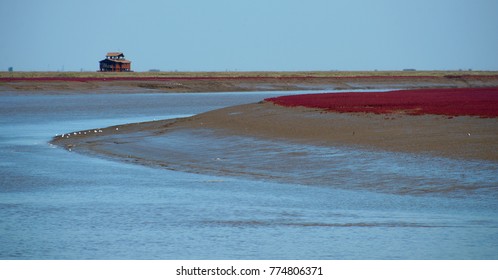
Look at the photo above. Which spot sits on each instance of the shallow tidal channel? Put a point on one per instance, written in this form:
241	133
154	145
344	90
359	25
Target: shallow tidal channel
227	197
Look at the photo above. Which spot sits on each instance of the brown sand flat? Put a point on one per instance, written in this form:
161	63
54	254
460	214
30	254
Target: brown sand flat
457	137
460	137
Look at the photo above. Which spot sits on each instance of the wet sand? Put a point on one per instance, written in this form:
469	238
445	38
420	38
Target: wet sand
459	136
467	137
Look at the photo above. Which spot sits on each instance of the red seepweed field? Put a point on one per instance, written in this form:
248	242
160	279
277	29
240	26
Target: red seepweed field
481	102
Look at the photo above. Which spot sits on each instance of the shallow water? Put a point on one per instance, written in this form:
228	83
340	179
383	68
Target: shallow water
258	199
214	153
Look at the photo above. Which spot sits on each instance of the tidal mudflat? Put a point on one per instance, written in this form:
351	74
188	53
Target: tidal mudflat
224	195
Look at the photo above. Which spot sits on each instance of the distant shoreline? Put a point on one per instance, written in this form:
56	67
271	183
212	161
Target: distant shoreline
187	82
194	74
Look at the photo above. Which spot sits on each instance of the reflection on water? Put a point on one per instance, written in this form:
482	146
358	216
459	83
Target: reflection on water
307	202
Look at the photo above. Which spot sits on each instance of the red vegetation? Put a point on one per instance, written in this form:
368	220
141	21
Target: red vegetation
482	102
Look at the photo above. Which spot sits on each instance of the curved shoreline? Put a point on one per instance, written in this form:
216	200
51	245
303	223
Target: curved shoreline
463	137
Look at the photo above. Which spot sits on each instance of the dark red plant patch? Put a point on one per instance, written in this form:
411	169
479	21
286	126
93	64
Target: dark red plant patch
482	102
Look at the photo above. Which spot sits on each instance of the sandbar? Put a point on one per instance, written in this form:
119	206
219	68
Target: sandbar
452	135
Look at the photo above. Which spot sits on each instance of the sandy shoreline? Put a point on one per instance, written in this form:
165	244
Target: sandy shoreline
456	137
459	137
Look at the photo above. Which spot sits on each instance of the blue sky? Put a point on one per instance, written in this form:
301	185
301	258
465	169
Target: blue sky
247	35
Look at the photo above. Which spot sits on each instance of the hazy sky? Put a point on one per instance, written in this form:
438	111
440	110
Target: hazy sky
219	35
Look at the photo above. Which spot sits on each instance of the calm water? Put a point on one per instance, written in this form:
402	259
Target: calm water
258	199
